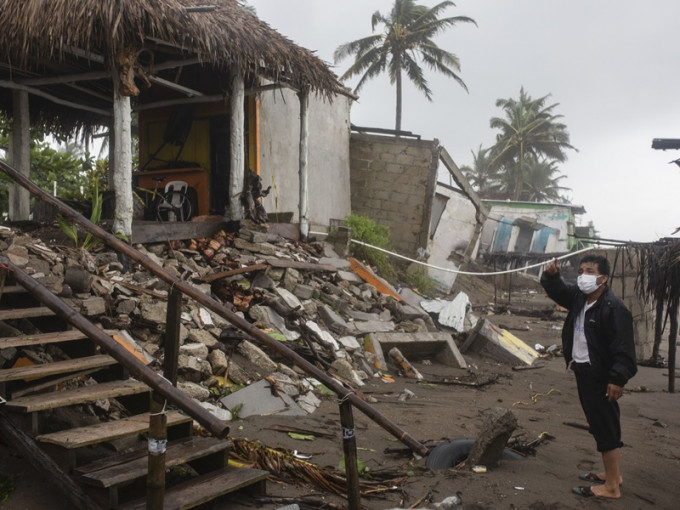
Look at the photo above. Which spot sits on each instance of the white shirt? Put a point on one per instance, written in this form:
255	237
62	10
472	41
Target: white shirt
579	351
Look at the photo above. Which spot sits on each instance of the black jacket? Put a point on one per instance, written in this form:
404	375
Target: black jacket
608	329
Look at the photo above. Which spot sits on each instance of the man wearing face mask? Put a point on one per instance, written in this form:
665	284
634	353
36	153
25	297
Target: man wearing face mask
598	345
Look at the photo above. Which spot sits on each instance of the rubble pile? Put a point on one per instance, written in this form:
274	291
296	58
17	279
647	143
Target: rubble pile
301	294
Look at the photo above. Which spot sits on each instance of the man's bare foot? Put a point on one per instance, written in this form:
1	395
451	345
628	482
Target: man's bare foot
602	491
603	476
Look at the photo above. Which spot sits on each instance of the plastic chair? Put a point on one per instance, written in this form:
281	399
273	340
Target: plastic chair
176	202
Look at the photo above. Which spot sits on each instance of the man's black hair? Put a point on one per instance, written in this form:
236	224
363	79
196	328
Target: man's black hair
602	263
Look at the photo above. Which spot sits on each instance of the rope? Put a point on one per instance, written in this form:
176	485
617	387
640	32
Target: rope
472	273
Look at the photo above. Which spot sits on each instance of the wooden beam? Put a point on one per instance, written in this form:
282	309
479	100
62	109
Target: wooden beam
65	78
19	198
232	272
237	167
216	98
37	92
303	164
122	172
175	86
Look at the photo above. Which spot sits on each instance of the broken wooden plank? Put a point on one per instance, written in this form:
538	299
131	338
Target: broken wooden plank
57	367
80	395
295	264
204	488
381	285
41	339
175	455
157	232
232	272
25	313
108	431
50	383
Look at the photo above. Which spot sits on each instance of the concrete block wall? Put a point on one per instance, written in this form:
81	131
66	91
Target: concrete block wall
392	182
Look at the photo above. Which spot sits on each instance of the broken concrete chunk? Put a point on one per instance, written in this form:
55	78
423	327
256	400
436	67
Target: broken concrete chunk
197	350
497	428
348	276
259	399
332	320
304	291
415	346
126	306
285	383
237	374
204	337
500	345
361	327
323	336
154	311
192	368
263	248
218	361
345	370
193	390
337	263
93	306
291	278
17	255
451	313
267	318
349	343
78	279
262	281
404	365
257	356
288	297
218	412
309	402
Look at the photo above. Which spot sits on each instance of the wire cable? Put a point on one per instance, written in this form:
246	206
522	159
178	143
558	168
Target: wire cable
456	271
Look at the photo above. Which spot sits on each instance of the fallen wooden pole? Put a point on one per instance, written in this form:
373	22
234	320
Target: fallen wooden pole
218	308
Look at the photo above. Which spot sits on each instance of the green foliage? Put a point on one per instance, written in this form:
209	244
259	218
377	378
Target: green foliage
71	230
406	42
368	231
418	280
362	469
530	131
6	487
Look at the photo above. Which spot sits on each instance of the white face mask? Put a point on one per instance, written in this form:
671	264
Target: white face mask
587	283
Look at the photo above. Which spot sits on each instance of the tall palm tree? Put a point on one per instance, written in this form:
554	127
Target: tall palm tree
483	177
529	129
542	182
407	36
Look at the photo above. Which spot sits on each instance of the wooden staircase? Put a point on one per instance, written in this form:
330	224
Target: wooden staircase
198	466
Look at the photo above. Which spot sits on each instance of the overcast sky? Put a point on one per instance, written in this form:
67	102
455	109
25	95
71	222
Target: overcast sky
612	65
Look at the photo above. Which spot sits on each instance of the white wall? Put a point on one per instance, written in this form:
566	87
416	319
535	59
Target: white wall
328	155
453	234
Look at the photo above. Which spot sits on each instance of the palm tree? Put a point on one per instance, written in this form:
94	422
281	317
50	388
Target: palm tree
541	182
529	129
408	33
484	178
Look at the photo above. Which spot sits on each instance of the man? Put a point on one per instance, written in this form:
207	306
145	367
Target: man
598	345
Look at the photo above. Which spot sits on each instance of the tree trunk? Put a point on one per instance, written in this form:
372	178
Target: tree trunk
237	160
398	122
122	173
658	327
19	197
520	171
672	347
303	168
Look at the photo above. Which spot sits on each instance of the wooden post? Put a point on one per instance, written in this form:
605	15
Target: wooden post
672	346
237	160
303	95
171	350
122	173
155	480
19	197
349	447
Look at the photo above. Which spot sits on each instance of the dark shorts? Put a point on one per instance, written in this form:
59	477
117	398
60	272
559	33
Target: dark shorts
604	417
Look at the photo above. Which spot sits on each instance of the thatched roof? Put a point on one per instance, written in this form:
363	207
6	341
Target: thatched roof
48	38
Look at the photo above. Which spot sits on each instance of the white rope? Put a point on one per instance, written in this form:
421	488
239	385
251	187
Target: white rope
449	270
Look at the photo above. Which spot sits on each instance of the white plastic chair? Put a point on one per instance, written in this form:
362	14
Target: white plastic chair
176	202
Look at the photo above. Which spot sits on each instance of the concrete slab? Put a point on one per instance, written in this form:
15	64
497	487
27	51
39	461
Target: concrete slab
415	346
500	345
258	399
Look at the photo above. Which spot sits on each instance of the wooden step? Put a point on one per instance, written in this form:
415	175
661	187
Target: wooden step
84	394
204	488
57	367
25	313
108	431
41	339
12	289
44	338
116	474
